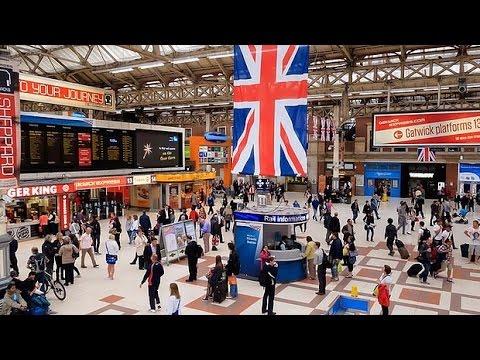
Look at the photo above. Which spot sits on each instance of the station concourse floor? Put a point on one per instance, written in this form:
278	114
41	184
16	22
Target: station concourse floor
94	293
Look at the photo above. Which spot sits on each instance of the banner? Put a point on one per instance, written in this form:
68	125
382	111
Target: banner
446	128
249	243
9	125
42	190
97	183
469	172
64	212
270	110
50	91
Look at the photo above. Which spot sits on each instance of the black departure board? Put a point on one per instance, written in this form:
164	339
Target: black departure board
37	143
60	146
70	153
53	145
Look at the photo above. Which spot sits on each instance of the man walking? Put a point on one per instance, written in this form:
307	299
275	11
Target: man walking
86	242
145	222
153	274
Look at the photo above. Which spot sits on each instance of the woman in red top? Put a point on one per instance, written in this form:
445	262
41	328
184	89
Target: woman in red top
384	284
264	255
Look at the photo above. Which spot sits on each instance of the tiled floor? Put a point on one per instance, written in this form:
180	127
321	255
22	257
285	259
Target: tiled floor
94	293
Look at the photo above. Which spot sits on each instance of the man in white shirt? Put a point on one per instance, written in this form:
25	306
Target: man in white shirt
473	234
86	242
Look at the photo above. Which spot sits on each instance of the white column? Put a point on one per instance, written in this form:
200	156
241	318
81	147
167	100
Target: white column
336	149
207	122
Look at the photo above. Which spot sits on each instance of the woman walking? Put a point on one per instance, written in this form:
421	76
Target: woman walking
112	255
174	301
118	230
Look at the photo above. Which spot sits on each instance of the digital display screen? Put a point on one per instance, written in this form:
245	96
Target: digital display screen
159	149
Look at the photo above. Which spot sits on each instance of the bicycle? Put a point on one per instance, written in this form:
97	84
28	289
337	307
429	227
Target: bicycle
57	286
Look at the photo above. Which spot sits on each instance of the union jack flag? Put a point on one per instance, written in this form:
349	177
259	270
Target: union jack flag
426	155
270	110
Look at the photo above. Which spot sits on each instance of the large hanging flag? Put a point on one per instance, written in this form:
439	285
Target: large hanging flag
425	154
270	110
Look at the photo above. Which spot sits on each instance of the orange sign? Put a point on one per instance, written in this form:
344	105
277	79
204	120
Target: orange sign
185	177
37	88
97	183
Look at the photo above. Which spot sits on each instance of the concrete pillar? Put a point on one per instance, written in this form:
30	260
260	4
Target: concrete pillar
207	122
336	149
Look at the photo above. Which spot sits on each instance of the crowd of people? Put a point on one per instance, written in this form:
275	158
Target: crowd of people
434	246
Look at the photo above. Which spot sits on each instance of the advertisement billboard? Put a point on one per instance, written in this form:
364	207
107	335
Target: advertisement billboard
159	149
51	91
9	125
442	128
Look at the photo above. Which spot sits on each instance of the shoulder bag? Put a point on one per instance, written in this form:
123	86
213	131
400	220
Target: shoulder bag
111	259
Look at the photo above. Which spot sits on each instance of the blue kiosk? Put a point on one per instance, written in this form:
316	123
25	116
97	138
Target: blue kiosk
257	226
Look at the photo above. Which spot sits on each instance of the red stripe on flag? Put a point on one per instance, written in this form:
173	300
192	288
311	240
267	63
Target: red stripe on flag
296	163
287	57
253	50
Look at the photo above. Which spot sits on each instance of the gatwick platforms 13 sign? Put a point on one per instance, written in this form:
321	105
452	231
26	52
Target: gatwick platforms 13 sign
37	88
427	128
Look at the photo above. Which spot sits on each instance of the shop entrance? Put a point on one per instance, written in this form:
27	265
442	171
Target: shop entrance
427	176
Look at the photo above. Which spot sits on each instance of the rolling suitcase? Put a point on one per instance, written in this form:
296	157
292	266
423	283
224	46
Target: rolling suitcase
414	270
220	290
402	250
404	254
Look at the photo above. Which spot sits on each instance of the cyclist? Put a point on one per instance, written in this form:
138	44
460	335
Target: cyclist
36	262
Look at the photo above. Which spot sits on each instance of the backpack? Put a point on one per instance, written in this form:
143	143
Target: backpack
426	234
326	260
262	279
199	251
39	260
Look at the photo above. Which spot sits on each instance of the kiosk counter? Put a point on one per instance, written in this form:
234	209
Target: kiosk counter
257	226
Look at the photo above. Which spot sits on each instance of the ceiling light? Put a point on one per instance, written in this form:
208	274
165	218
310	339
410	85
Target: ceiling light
151	65
117	71
218	56
182	61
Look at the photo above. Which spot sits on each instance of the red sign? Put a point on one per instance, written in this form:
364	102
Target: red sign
97	183
64	211
9	120
443	128
36	88
42	190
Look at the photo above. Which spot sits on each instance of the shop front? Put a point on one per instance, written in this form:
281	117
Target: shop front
176	190
385	175
469	178
30	202
430	177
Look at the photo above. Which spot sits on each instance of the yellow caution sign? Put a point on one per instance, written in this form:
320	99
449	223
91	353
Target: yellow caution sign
354	291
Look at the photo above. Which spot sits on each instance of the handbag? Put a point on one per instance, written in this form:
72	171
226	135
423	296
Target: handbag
232	280
178	307
375	291
111	259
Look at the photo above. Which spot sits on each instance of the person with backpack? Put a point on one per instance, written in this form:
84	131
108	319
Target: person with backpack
268	279
193	251
423	233
321	261
36	262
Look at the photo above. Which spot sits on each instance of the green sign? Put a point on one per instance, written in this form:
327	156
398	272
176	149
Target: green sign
187	151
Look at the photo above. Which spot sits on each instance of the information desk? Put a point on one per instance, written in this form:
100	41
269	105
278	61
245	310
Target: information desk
291	265
256	227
